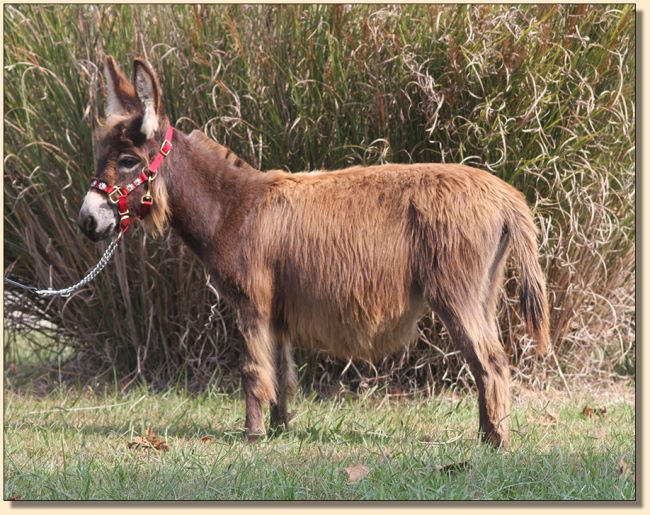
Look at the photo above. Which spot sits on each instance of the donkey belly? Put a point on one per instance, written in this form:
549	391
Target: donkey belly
354	333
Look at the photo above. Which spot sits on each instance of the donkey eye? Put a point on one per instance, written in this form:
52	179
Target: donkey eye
128	162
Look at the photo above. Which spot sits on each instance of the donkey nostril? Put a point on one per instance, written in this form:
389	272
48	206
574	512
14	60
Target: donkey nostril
90	225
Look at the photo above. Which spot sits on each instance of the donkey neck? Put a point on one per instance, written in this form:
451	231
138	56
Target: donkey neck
210	193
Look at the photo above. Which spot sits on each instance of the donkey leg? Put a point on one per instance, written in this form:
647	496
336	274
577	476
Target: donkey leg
489	366
496	377
286	385
258	375
494	391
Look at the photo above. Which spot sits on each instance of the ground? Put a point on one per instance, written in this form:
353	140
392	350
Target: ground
78	444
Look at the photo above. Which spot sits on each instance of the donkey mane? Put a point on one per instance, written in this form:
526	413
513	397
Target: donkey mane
222	153
155	224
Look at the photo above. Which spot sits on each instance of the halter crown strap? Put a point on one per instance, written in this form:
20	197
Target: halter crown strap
117	195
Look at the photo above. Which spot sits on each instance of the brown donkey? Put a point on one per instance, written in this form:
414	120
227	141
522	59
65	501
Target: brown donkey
345	261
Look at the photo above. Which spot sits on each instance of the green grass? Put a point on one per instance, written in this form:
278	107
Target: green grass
72	444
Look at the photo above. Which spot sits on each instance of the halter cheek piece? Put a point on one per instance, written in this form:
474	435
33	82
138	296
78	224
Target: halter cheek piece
117	195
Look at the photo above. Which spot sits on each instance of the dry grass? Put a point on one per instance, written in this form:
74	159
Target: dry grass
542	96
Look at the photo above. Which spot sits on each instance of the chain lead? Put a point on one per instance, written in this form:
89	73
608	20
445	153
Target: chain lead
92	273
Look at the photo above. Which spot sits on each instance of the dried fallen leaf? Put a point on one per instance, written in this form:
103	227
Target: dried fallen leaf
151	441
623	467
357	472
206	438
594	413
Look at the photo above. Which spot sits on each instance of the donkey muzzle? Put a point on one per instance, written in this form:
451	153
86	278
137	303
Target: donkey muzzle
97	218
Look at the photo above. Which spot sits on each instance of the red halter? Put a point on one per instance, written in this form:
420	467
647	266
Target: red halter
117	195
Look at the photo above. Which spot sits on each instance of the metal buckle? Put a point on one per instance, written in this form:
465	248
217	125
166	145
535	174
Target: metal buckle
166	147
119	194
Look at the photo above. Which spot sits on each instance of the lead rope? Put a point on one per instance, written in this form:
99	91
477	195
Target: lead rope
92	273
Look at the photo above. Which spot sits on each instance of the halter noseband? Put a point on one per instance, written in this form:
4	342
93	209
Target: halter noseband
117	195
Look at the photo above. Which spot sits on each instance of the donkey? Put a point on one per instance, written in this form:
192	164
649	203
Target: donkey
345	261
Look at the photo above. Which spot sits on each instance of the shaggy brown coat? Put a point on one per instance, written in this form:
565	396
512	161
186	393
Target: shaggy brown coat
345	261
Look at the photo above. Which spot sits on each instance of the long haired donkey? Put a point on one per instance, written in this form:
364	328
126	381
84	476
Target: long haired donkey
345	261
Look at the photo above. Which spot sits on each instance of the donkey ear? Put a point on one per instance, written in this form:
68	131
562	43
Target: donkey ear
120	95
148	91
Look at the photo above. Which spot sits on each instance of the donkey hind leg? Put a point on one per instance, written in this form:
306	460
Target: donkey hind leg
258	375
286	384
476	336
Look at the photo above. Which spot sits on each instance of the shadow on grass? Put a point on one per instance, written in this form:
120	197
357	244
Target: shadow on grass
230	436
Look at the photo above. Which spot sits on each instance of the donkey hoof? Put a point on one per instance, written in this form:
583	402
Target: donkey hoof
277	428
254	436
496	440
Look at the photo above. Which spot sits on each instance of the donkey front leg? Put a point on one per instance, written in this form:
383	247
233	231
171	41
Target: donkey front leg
258	375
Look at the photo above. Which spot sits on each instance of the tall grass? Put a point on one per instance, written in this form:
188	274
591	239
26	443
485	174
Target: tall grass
542	96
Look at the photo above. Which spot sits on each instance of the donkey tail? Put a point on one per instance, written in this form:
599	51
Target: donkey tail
533	302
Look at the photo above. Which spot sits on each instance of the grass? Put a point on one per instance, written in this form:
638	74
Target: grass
72	444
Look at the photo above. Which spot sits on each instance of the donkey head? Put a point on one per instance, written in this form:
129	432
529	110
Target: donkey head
126	143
